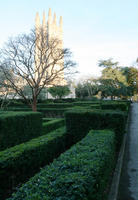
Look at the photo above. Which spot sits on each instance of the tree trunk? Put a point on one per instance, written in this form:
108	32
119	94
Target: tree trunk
34	105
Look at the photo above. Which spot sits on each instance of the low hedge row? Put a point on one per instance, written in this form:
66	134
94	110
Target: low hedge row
22	161
47	119
87	103
51	125
18	127
55	105
81	173
95	106
17	109
79	122
115	106
52	112
46	112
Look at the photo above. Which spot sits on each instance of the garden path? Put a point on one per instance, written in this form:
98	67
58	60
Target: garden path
128	187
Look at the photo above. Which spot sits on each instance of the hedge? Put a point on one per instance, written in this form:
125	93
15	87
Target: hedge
81	173
95	106
51	125
47	119
79	122
22	161
87	103
52	112
55	105
115	106
18	127
46	112
23	109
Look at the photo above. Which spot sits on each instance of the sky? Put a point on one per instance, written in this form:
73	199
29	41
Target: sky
93	29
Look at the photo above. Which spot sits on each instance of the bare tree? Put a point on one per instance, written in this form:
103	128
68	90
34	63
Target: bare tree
36	61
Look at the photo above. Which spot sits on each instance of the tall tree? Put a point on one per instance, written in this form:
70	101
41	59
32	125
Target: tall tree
29	60
113	80
131	74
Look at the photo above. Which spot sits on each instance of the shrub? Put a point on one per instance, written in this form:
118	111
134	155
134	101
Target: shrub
81	173
47	119
86	103
52	112
18	127
55	105
53	124
79	122
115	106
22	161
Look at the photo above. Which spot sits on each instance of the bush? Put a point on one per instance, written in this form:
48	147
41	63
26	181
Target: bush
81	173
22	161
23	109
53	124
18	127
47	119
55	105
115	106
52	112
86	103
79	122
95	106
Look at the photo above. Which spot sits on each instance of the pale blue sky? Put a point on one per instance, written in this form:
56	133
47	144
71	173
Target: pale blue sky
93	29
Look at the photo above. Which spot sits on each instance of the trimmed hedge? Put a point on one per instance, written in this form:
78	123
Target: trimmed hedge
18	127
51	125
79	122
95	106
81	173
52	112
47	119
19	109
87	103
55	105
115	106
23	161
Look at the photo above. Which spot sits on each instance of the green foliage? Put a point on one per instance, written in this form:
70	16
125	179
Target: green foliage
59	91
87	89
114	80
86	103
107	63
47	119
55	105
18	127
51	125
132	78
22	161
79	122
81	173
115	106
52	112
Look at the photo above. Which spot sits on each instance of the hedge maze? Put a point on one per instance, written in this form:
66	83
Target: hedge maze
71	156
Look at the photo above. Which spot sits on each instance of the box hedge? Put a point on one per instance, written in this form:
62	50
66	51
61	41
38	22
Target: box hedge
18	127
51	125
81	173
22	161
115	106
47	119
79	122
52	112
55	105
